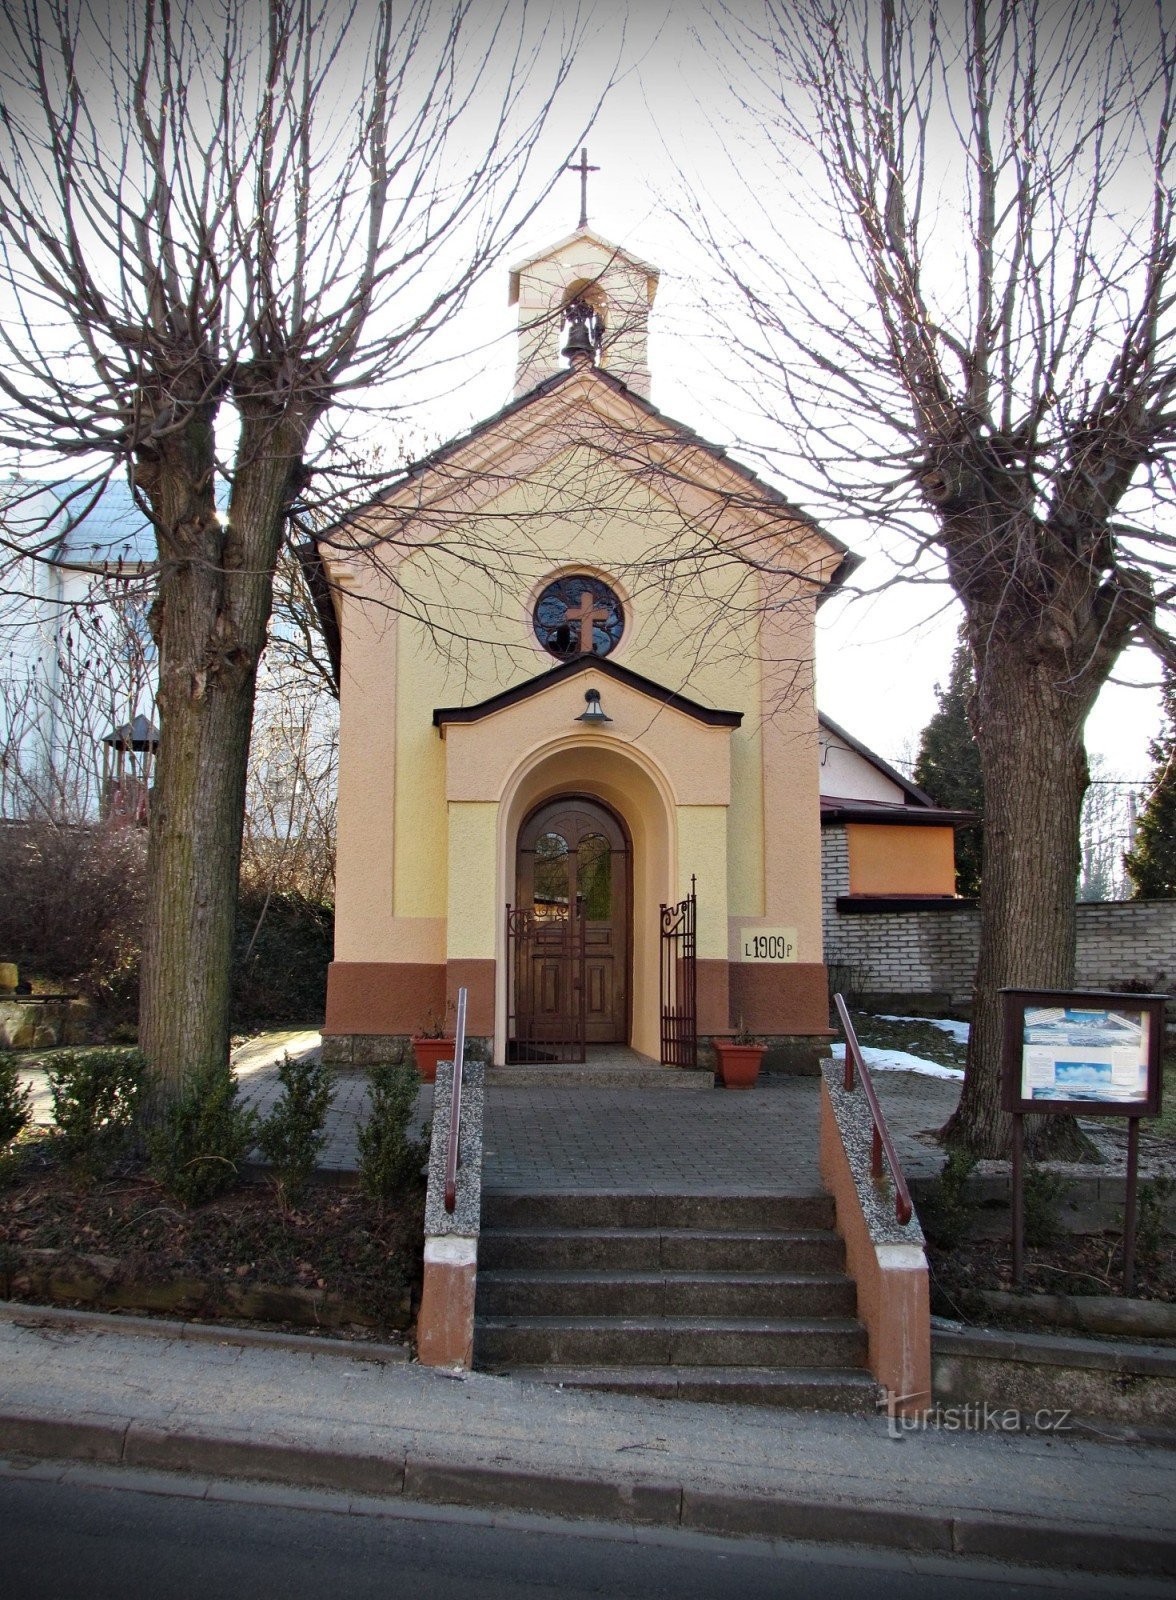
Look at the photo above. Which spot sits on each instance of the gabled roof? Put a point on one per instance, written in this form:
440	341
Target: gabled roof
915	809
548	386
567	670
914	796
606	245
84	523
836	810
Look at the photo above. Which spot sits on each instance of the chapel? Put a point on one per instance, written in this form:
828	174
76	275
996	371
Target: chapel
579	764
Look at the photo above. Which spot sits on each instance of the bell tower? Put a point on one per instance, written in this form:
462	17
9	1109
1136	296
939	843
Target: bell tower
583	300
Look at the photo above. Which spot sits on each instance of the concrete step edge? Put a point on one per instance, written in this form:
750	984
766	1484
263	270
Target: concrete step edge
674	1235
840	1326
809	1377
606	1277
666	1501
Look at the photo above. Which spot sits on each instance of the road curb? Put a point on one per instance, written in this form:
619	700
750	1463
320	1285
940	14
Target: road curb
27	1315
649	1502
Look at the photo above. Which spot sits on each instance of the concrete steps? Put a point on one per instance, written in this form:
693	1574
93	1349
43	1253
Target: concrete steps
524	1292
799	1389
671	1249
739	1298
597	1075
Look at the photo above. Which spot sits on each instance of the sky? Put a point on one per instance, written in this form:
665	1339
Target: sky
881	655
666	129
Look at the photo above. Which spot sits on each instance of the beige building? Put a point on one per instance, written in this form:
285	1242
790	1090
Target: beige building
579	760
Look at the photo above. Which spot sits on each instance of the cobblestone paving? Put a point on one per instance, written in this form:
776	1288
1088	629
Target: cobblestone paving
710	1142
654	1141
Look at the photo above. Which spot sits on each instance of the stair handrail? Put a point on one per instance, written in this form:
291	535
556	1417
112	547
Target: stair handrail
882	1142
451	1155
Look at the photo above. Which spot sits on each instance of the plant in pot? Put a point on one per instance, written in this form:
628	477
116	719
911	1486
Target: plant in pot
432	1044
739	1058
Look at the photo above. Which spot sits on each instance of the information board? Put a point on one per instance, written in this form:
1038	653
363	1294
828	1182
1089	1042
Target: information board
1088	1052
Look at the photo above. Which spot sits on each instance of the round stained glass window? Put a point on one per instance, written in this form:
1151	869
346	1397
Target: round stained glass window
578	616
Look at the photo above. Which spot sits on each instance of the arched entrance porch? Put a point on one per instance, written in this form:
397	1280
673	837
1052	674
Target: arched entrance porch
603	793
569	932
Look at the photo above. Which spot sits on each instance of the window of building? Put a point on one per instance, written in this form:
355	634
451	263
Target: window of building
578	615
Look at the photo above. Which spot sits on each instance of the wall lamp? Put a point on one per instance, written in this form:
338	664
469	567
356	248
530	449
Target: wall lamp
593	713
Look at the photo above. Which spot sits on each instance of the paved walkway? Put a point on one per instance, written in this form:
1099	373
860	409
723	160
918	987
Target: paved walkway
647	1140
654	1141
552	1138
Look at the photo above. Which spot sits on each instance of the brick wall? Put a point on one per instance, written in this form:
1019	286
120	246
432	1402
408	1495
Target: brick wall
924	951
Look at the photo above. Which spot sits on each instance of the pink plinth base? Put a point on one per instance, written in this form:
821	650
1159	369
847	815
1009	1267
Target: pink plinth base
445	1326
893	1298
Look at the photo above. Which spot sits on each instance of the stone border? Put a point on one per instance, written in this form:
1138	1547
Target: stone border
632	1500
1130	1385
886	1260
34	1316
445	1322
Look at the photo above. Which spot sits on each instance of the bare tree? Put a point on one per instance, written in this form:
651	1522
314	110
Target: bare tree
955	297
226	228
1106	834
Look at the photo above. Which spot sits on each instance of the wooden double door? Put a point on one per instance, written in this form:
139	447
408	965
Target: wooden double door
573	886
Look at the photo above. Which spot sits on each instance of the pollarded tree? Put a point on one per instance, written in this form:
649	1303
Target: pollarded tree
948	765
954	291
224	229
1151	865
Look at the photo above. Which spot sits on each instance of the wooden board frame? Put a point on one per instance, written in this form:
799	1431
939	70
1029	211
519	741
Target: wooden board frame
1016	1001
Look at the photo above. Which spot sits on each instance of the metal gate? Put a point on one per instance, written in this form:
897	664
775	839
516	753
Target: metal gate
546	996
679	983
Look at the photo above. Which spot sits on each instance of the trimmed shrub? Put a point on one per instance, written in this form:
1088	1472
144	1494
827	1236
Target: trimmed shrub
1152	1232
202	1137
97	1097
389	1161
16	1101
950	1213
291	1137
1043	1205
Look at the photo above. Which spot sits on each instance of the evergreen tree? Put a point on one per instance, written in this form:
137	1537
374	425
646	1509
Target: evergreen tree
948	765
1152	864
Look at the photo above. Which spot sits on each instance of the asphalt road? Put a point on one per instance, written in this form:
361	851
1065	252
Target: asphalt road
95	1533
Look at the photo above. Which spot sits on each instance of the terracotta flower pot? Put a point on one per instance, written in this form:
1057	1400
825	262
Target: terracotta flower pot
739	1064
427	1053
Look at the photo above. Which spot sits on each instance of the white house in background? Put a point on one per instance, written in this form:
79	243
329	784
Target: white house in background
882	837
77	662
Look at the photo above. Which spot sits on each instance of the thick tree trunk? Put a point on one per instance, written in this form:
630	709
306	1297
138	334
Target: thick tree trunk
211	619
1028	724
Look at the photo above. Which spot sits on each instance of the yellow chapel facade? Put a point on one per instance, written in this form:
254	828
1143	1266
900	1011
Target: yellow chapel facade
579	754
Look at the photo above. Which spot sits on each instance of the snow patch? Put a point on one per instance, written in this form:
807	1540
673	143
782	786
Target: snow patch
958	1031
899	1061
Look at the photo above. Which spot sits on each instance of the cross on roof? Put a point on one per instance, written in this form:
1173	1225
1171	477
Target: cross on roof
586	616
583	169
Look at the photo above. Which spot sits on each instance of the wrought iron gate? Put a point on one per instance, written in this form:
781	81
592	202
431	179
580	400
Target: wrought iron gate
679	984
546	996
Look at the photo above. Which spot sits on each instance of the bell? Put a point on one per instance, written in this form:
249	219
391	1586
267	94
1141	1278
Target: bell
579	341
594	714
